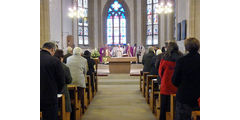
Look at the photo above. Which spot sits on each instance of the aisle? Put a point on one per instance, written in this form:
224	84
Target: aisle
118	98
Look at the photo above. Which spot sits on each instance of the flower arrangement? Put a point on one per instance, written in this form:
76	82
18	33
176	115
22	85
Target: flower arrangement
95	54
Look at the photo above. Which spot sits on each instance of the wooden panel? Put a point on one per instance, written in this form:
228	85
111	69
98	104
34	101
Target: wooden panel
70	41
123	59
75	101
119	67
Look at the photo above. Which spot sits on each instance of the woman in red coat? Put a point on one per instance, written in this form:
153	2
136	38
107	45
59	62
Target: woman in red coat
166	70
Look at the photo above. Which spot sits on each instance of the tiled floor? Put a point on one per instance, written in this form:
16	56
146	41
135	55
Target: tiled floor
118	98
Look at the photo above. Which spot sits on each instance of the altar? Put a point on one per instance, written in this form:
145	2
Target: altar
121	64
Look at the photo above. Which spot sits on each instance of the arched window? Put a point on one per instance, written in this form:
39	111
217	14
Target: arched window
116	24
83	23
152	23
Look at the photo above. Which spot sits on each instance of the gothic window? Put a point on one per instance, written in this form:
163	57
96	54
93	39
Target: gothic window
83	23
152	23
116	24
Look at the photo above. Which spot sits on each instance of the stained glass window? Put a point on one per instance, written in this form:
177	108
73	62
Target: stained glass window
152	22
116	24
83	23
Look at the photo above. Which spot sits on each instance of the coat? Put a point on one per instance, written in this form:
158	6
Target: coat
147	60
187	78
166	70
51	78
78	68
65	57
68	80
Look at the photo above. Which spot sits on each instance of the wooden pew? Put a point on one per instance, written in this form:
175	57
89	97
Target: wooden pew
95	75
148	86
141	80
62	106
40	115
76	103
95	83
158	104
154	95
171	115
195	114
86	100
144	82
89	89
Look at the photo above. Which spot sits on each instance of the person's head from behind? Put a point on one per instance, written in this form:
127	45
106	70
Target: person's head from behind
59	54
158	52
192	45
151	49
163	49
172	47
69	50
77	51
50	47
87	54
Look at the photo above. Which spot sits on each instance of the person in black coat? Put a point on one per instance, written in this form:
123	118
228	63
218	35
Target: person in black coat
68	80
187	79
91	64
51	81
69	53
147	60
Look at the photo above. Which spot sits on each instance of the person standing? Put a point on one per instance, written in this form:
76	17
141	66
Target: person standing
119	51
187	79
69	53
78	68
140	53
68	80
129	50
51	81
147	60
166	70
91	70
135	50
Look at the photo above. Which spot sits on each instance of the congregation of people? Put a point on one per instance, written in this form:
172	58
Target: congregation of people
57	71
177	73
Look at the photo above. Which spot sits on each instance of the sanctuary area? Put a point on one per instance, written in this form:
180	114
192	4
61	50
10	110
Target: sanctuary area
120	59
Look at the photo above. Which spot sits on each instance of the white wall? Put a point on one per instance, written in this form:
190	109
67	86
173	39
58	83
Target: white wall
139	22
66	21
55	20
188	10
60	23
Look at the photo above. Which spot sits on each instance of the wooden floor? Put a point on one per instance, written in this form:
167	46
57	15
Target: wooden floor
118	98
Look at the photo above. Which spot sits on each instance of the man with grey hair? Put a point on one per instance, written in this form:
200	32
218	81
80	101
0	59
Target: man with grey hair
78	68
51	81
69	53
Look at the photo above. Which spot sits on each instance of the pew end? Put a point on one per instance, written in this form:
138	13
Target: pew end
195	115
148	86
144	82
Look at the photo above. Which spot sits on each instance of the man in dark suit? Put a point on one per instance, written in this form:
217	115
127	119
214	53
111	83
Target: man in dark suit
187	78
69	53
51	81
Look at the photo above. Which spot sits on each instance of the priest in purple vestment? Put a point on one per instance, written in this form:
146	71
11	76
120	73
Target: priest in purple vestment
129	50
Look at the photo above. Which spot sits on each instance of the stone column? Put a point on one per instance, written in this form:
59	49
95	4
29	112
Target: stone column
96	22
44	21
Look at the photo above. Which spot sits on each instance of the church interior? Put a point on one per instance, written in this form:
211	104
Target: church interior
121	40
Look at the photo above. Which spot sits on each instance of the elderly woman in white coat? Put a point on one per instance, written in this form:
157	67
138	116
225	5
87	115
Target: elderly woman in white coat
78	68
